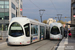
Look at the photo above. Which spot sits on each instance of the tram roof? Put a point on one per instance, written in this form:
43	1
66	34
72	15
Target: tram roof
25	19
55	24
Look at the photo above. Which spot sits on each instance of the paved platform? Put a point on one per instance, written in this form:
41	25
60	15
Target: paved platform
62	44
71	44
3	40
67	44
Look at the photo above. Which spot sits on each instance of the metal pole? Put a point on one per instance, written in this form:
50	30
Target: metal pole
41	18
41	13
59	16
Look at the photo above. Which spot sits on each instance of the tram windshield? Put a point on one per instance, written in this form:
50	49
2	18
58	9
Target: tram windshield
15	30
55	30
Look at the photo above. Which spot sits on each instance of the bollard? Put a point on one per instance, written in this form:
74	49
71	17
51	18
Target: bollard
0	37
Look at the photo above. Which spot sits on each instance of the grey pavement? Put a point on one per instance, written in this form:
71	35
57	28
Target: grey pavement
4	36
3	40
67	44
71	44
62	44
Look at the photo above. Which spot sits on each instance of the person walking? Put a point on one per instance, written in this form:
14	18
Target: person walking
69	33
65	33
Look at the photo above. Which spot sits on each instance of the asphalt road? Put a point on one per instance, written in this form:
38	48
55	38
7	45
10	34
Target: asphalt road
41	45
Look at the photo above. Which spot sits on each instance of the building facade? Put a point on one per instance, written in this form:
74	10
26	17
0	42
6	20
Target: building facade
8	10
50	20
72	11
69	23
73	17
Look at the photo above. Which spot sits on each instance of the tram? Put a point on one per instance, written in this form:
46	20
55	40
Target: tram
56	31
23	31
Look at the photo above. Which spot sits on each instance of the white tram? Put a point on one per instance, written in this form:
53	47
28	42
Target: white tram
22	31
56	31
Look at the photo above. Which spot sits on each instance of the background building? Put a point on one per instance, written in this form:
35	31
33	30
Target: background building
73	11
73	17
54	20
69	23
50	20
19	10
8	10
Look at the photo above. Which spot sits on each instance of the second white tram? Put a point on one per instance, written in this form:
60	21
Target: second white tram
22	31
56	31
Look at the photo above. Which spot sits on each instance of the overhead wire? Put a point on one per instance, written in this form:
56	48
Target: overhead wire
39	7
54	5
34	4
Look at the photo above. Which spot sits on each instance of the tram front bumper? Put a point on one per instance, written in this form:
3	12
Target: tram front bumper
56	36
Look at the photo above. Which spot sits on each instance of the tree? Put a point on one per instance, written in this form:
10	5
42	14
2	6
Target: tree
45	21
61	22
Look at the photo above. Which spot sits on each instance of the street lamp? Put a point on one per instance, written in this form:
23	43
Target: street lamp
59	16
41	11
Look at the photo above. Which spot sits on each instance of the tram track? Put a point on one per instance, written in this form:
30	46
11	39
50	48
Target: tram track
41	46
52	47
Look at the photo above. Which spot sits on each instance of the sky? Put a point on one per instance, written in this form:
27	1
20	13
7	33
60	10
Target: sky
52	8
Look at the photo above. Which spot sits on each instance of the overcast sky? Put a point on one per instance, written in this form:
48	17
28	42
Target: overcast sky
52	8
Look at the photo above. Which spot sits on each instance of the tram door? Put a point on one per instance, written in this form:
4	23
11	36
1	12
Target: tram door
62	31
47	33
34	33
42	32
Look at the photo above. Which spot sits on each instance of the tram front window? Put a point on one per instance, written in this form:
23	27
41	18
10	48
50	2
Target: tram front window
55	30
15	30
27	29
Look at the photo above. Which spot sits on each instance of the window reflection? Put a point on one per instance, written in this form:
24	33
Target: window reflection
55	30
34	29
6	2
4	7
27	30
1	2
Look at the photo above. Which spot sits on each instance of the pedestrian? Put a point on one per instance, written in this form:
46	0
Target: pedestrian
70	33
65	33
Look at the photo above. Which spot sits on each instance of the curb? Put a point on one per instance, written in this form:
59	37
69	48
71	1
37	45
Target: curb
57	46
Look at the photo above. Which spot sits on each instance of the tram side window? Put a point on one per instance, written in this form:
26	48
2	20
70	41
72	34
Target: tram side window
47	30
42	30
27	31
34	29
61	30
